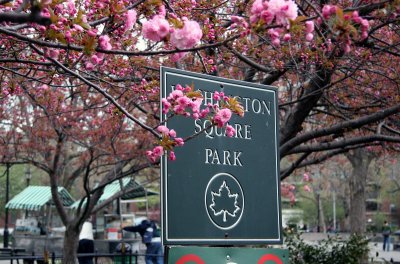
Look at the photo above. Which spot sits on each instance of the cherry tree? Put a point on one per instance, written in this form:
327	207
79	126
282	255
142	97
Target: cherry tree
80	81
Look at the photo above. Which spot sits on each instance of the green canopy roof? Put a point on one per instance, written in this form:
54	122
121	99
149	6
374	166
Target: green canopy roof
35	197
136	191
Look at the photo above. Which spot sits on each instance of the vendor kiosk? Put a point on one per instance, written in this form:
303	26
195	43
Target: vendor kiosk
39	229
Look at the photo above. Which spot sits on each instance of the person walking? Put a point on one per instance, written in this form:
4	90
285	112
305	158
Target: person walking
86	243
151	238
386	230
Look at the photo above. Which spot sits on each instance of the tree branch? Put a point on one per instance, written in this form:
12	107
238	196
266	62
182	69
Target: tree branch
24	18
352	124
115	52
342	143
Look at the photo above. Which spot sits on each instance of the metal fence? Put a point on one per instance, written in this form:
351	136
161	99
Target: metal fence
52	258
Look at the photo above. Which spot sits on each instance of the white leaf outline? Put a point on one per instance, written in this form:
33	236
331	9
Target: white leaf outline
224	211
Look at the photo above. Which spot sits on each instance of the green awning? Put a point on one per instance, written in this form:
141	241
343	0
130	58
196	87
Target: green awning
35	197
136	191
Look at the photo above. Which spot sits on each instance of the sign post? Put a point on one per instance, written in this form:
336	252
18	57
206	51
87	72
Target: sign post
223	190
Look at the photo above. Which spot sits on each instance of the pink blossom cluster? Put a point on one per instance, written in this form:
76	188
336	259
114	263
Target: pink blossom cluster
222	116
307	179
52	53
177	56
74	26
155	154
287	190
267	12
183	101
274	34
329	10
146	90
180	104
278	11
240	22
309	28
95	59
104	42
158	151
210	64
130	19
364	24
48	97
211	30
158	29
188	36
72	21
10	90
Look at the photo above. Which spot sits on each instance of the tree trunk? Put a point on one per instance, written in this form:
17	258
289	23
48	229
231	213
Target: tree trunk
360	160
71	241
321	220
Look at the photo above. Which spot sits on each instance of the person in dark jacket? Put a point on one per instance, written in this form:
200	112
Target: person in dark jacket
386	230
151	237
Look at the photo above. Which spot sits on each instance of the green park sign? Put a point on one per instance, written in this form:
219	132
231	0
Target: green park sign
228	255
223	190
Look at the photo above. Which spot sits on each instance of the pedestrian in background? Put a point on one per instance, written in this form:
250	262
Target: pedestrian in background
386	230
151	238
86	243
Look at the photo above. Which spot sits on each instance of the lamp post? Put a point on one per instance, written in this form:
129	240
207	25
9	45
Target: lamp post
318	212
5	232
28	175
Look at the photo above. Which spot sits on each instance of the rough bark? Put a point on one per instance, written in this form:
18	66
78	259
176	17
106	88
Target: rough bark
360	160
71	241
321	220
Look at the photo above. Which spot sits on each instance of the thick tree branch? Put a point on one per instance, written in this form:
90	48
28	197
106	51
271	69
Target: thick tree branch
352	124
248	61
286	172
20	18
296	115
54	176
343	143
321	158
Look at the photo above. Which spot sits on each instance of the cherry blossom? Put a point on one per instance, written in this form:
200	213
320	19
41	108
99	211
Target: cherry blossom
178	56
230	131
131	16
179	141
184	101
222	117
163	129
306	177
156	28
104	42
156	153
172	133
188	36
172	155
280	11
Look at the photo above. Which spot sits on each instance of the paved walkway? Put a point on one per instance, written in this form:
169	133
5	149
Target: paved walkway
377	254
